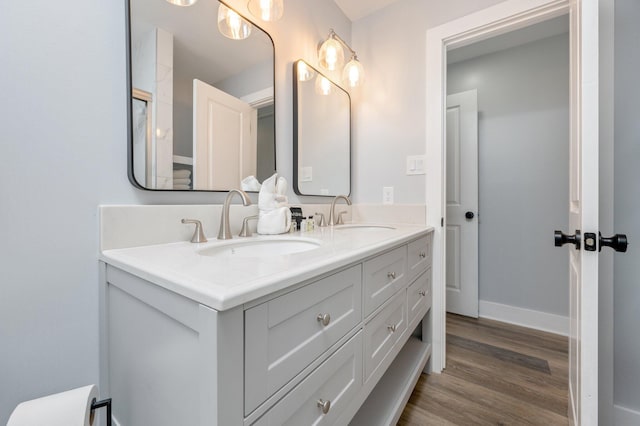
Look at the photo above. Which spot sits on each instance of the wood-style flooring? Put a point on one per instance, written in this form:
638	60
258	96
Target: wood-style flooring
497	374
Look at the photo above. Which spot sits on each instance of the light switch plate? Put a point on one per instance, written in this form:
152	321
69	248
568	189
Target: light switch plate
415	165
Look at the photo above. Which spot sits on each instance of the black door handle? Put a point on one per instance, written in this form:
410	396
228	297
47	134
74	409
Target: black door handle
618	242
469	215
562	239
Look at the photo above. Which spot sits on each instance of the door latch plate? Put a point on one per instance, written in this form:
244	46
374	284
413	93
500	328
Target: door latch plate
590	241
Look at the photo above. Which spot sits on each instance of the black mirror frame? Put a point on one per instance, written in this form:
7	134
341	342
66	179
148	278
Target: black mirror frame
129	97
296	189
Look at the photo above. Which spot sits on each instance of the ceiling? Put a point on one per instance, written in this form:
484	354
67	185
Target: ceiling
356	9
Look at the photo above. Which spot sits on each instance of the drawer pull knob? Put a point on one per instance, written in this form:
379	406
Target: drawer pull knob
325	319
392	328
422	293
324	405
423	254
391	275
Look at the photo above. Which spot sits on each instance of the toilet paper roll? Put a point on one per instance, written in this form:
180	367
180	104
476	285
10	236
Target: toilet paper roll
70	408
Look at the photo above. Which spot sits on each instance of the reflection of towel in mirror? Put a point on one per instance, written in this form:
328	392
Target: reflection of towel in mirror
274	216
181	181
181	186
181	174
250	183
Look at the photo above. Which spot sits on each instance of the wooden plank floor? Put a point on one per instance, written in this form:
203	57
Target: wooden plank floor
497	374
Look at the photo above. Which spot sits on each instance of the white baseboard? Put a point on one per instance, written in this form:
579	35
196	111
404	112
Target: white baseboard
625	417
538	320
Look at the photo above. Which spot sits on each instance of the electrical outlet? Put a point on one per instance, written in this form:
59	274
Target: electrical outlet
387	195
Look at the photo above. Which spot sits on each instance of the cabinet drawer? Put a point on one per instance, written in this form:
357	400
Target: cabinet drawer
383	331
419	298
335	382
284	335
383	277
419	255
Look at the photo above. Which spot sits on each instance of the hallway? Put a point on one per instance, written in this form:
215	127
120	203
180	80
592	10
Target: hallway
497	374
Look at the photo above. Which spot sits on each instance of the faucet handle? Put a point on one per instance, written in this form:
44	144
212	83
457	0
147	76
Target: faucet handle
340	221
198	235
245	231
323	222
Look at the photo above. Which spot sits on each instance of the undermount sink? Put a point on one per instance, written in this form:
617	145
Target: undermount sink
262	247
365	227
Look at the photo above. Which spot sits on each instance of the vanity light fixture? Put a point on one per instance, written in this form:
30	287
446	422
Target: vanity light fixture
331	57
182	2
305	72
231	24
323	85
266	10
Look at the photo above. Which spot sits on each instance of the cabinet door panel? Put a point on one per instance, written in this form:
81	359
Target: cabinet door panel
336	382
419	298
383	331
284	335
419	256
383	277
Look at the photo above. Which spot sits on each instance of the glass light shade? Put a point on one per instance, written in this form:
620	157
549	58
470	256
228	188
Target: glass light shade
231	24
182	2
353	73
266	10
331	55
305	73
323	85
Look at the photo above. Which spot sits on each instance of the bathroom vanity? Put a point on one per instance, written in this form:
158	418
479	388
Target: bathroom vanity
328	327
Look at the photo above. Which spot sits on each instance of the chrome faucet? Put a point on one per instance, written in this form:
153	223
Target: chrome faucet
332	213
225	231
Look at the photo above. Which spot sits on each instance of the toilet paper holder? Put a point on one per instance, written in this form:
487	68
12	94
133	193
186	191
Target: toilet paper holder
99	404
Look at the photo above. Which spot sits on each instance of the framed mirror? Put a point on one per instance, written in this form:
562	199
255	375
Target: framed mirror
321	134
202	113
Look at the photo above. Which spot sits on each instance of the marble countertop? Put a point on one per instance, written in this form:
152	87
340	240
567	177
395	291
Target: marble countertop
225	282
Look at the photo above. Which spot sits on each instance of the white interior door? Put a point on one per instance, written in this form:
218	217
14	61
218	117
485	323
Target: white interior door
224	138
462	203
583	215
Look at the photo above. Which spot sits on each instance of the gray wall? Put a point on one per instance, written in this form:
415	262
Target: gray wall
389	110
627	204
64	149
523	126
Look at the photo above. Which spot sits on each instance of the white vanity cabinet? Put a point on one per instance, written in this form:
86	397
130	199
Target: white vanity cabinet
345	346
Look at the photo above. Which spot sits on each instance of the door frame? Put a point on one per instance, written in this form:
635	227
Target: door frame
499	19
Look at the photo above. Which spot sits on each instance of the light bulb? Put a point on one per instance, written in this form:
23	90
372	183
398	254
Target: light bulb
266	10
305	72
182	2
231	24
323	85
353	73
331	55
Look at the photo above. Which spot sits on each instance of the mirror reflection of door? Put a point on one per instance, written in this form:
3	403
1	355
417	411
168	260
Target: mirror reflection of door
170	46
219	118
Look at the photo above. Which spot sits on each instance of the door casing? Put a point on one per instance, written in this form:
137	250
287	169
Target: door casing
499	19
